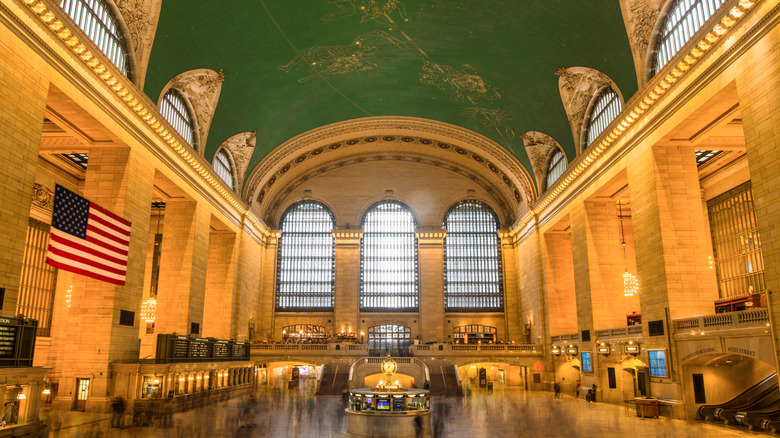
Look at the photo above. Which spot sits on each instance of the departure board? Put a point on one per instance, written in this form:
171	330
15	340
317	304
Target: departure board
7	341
17	341
175	348
221	349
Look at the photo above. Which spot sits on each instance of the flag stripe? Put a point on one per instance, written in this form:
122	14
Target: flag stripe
86	261
109	239
87	239
121	222
82	249
124	232
87	272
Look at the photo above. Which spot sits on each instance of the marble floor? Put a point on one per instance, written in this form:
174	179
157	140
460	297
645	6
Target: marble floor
299	413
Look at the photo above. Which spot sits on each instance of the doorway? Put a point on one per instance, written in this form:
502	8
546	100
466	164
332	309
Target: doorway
82	394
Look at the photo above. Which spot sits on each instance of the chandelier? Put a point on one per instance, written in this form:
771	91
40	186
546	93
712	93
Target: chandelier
148	310
630	282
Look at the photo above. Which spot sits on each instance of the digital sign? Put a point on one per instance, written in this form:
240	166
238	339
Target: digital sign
587	366
657	363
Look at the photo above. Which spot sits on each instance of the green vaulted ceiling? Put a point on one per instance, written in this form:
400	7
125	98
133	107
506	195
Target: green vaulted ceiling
294	65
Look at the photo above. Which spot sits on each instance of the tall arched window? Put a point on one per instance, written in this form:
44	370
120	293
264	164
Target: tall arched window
223	168
684	18
606	108
306	265
174	109
388	259
94	17
472	259
556	168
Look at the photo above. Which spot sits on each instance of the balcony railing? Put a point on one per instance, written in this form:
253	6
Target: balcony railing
629	331
566	338
724	321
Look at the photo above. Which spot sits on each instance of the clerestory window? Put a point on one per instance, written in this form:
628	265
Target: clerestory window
388	259
95	18
472	259
606	108
223	168
306	260
684	18
174	108
555	168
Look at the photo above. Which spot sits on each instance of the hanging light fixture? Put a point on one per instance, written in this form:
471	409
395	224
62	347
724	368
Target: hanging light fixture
630	282
149	310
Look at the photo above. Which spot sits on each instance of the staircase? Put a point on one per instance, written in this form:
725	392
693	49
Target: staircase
444	381
334	380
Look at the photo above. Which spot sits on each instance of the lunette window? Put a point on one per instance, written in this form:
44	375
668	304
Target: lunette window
388	259
556	167
606	108
683	19
95	18
223	168
174	109
306	262
472	259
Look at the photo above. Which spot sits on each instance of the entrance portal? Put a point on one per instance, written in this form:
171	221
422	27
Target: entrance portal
389	339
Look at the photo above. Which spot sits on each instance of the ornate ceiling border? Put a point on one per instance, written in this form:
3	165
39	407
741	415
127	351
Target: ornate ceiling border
405	129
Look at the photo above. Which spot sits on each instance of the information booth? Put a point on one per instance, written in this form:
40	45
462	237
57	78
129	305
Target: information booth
388	410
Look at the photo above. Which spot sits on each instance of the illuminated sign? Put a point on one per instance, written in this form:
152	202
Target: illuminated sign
604	349
657	363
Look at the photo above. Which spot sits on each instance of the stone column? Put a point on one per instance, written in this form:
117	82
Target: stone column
267	280
581	267
183	261
22	106
559	272
671	237
346	307
759	101
120	180
513	316
221	295
430	256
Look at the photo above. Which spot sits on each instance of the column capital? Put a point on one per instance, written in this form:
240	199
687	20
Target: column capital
430	236
346	236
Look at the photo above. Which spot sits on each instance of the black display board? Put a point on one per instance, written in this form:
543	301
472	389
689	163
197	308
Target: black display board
173	348
17	341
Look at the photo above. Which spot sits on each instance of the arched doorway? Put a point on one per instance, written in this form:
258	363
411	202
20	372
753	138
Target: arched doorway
389	339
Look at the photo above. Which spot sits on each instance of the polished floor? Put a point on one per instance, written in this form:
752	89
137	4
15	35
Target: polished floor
299	413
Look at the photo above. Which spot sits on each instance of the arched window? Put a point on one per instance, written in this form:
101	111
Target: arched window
223	168
606	108
556	167
174	109
388	259
684	18
94	17
306	265
472	259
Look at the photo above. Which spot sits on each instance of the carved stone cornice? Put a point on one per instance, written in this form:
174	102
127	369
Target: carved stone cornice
202	88
578	86
347	237
425	133
430	236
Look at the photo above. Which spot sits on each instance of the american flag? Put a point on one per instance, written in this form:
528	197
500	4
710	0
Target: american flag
88	239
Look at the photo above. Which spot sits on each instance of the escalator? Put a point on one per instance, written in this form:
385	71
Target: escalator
761	394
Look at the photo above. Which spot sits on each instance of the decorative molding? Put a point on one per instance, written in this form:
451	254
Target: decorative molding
540	147
42	197
578	86
202	88
640	18
505	206
240	146
332	137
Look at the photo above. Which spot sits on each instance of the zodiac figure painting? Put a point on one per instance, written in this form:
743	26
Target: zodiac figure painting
462	83
333	60
490	120
371	10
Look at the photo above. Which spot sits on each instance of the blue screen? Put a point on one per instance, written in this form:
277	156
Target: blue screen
657	363
586	364
383	404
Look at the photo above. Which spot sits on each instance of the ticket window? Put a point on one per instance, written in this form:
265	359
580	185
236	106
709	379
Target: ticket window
150	387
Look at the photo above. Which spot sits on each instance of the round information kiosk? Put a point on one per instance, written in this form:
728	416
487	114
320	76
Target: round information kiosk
387	410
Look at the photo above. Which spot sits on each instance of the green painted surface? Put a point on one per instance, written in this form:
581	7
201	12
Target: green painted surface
295	65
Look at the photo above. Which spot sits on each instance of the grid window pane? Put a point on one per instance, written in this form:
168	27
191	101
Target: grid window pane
174	110
306	262
556	168
684	18
739	261
38	279
472	260
96	20
388	259
223	168
606	109
389	339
